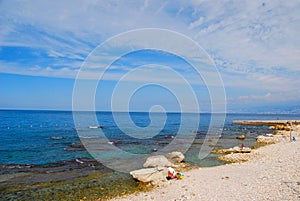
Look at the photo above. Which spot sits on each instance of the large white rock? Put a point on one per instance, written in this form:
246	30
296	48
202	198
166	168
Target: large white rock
156	176
175	157
269	140
157	161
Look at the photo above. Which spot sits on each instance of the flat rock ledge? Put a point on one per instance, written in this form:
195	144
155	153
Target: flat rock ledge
237	157
261	139
155	169
231	150
233	156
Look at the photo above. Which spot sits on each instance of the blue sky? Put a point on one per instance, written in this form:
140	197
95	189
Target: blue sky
255	46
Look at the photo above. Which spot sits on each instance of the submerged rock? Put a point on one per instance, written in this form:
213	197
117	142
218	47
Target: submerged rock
157	161
175	157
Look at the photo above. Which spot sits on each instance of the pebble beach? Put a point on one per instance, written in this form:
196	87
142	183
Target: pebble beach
271	173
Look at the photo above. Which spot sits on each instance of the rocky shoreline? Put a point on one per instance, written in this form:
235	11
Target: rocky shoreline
76	179
267	173
85	179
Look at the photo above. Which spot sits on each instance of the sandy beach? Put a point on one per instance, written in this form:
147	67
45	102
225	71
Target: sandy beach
271	173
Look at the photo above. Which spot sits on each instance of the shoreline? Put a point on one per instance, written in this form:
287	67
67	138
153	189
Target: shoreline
266	122
84	179
271	173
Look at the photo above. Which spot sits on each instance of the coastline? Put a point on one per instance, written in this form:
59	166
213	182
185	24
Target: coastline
83	178
272	173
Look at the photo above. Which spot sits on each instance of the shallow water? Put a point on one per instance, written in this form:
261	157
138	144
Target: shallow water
42	154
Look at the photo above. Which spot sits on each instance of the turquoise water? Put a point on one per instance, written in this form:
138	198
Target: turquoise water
60	168
42	137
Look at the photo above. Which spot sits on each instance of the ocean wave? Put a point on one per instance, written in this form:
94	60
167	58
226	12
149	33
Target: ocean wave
55	138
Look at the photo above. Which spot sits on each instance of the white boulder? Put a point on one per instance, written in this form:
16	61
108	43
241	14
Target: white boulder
175	157
156	176
157	161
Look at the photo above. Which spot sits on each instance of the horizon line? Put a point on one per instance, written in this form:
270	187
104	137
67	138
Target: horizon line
66	110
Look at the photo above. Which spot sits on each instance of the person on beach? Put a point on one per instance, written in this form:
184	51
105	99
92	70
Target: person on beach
243	145
172	174
290	125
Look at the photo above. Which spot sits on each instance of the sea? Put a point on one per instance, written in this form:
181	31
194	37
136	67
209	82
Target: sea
34	141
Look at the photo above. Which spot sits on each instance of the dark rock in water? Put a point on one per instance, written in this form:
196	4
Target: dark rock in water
72	149
200	135
168	136
58	171
64	180
78	146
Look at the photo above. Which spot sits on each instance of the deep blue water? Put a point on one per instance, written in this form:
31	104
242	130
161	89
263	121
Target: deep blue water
41	137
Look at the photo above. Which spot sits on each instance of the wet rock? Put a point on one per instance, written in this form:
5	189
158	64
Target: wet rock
241	137
272	127
175	157
232	150
285	127
157	161
76	146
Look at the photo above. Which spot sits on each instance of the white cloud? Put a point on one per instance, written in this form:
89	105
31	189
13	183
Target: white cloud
246	32
267	96
196	23
250	41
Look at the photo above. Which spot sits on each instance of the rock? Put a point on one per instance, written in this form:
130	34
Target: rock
222	151
272	127
234	158
175	157
156	176
241	137
279	127
269	140
231	150
236	149
157	161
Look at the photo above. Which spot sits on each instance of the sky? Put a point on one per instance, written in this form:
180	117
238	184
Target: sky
253	46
